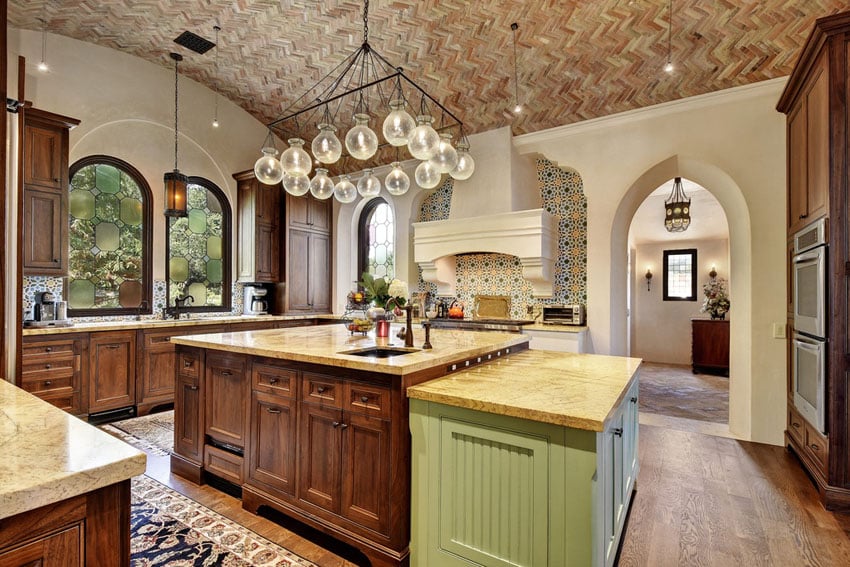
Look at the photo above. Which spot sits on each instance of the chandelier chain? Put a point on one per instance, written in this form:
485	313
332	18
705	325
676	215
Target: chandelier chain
514	27
366	21
175	112
670	33
215	80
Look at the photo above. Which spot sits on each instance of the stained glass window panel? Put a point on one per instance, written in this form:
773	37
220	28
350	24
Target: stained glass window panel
380	257
680	275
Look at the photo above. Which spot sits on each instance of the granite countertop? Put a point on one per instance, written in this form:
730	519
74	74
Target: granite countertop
555	328
155	323
324	345
573	390
49	455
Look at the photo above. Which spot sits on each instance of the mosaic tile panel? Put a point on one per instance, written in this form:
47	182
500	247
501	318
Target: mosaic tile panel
562	193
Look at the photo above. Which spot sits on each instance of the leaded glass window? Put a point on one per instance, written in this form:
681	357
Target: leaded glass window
199	249
377	239
109	238
680	277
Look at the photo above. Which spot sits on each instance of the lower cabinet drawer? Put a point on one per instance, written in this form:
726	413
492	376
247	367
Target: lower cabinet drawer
48	384
65	399
816	445
367	399
796	427
223	464
53	368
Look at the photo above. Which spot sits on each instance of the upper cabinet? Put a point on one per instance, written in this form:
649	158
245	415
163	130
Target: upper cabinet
259	215
309	213
808	149
45	196
308	255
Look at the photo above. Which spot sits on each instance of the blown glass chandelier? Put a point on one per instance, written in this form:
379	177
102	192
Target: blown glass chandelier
677	208
351	99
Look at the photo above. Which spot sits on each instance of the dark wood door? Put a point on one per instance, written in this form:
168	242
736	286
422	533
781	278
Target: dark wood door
319	456
155	379
297	211
797	191
319	279
43	252
267	251
43	151
319	214
298	275
226	390
710	346
268	203
112	370
188	440
273	442
62	549
817	142
365	471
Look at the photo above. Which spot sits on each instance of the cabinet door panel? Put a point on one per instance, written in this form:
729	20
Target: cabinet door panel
273	442
112	380
298	278
157	379
64	549
297	211
817	143
43	221
320	272
226	390
320	214
797	190
267	253
365	471
319	456
43	156
187	423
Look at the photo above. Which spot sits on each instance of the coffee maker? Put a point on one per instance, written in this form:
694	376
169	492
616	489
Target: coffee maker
255	302
48	309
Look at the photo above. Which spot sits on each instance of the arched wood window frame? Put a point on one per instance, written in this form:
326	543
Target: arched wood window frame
226	254
363	234
146	304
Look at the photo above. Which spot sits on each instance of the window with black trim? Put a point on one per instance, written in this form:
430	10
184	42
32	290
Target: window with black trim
376	240
109	238
198	250
680	275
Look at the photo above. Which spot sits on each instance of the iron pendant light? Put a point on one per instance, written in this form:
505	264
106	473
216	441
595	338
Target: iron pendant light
677	208
175	182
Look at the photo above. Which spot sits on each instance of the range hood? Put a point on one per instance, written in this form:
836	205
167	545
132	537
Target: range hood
497	210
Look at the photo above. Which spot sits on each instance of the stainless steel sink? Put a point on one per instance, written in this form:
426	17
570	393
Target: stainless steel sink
380	351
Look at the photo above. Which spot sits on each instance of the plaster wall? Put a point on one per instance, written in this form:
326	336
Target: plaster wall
662	329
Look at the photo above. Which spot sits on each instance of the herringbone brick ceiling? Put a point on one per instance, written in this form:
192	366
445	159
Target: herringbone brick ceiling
577	59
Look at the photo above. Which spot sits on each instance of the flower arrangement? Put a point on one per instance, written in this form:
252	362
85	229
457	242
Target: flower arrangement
716	301
380	292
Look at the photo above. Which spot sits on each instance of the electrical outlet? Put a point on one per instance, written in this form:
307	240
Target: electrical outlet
529	310
779	330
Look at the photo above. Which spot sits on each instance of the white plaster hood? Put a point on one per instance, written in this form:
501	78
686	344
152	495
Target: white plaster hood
497	210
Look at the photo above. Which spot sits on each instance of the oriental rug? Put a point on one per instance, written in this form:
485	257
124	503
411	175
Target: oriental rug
168	528
153	433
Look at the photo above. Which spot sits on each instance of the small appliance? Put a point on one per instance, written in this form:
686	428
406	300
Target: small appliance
45	307
255	302
563	314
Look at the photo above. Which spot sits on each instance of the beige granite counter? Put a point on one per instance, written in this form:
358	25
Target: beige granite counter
155	323
573	390
325	344
49	455
555	328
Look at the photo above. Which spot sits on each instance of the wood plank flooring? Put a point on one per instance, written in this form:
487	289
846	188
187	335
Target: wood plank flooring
701	501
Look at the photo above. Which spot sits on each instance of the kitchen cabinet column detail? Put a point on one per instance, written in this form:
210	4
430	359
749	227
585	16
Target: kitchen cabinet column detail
112	368
308	256
258	207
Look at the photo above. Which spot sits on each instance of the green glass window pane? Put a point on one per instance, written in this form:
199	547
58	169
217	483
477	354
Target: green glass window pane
81	204
80	294
129	188
107	207
107	179
197	221
130	294
178	269
131	211
106	236
214	271
199	292
214	247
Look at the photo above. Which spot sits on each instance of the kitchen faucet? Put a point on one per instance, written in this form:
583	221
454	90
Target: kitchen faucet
179	302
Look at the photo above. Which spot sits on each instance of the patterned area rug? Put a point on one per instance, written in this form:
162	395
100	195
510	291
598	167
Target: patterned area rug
675	391
169	529
153	433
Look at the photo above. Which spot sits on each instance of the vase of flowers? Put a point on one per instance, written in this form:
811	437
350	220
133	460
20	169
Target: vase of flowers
716	301
382	294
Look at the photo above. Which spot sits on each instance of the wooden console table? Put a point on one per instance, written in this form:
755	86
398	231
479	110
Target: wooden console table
710	346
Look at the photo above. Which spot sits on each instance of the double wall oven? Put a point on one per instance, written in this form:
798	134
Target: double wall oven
809	343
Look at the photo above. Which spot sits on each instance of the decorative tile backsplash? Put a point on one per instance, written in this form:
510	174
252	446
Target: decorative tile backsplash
33	285
562	193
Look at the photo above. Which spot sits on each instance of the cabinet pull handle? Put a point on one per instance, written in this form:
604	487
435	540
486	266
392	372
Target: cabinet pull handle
47	382
226	373
795	424
273	380
112	347
343	425
803	216
55	261
815	446
364	399
634	399
335	424
618	431
48	366
56	180
321	389
273	410
48	349
193	388
188	362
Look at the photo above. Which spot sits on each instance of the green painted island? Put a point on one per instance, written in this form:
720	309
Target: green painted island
314	423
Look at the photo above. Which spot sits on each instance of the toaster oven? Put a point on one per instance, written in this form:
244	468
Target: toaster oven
563	314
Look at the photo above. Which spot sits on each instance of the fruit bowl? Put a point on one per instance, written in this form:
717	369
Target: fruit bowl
357	325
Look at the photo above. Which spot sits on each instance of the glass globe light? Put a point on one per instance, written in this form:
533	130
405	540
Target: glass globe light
295	160
268	169
398	125
445	160
361	142
344	190
426	175
326	146
368	185
424	140
321	187
397	182
296	184
465	163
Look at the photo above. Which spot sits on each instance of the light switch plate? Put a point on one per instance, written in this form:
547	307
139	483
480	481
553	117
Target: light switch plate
779	330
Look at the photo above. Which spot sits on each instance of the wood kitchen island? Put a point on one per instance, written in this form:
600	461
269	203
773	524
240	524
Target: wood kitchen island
310	431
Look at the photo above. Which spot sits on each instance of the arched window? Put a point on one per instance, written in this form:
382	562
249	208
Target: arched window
198	250
376	240
109	269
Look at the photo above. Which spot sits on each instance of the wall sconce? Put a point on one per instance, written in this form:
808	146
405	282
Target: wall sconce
648	279
713	273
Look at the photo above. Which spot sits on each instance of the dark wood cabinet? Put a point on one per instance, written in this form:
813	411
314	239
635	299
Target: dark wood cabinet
45	196
155	373
308	255
259	218
53	369
226	389
365	496
710	346
309	213
319	456
112	370
816	102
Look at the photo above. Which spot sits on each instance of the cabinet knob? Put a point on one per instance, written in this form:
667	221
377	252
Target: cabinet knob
48	349
273	410
193	388
47	382
335	424
55	261
187	363
343	425
56	180
618	431
795	424
273	380
321	389
226	373
803	216
48	366
815	446
364	399
634	399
